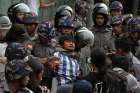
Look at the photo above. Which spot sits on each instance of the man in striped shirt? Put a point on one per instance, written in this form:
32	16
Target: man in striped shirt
68	68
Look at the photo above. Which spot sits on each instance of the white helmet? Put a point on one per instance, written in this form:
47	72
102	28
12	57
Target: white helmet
84	36
64	9
5	22
101	5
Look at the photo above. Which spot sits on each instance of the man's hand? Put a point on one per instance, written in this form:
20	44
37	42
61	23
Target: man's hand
3	60
53	62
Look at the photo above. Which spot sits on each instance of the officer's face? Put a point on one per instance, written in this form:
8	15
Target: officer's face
69	45
116	12
31	28
100	20
20	16
117	29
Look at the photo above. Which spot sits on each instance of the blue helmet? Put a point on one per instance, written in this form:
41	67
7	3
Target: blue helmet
16	69
116	20
46	30
15	51
31	19
66	21
134	25
116	5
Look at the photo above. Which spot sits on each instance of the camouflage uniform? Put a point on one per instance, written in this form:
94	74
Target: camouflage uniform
16	69
102	38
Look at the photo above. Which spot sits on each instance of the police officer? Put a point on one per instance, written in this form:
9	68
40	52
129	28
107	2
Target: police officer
134	35
17	12
81	10
116	8
44	48
117	29
31	23
5	25
15	51
17	76
17	33
84	40
101	29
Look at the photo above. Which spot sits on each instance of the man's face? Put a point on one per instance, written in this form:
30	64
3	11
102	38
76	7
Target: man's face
38	77
69	45
24	81
31	28
116	12
117	29
100	20
20	16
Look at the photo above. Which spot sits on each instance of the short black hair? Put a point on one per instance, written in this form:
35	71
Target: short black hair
82	86
66	37
98	57
36	65
121	62
123	43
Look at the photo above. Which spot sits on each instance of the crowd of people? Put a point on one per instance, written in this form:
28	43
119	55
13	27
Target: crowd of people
67	56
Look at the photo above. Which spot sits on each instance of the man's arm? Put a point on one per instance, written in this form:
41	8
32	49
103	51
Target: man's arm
3	60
